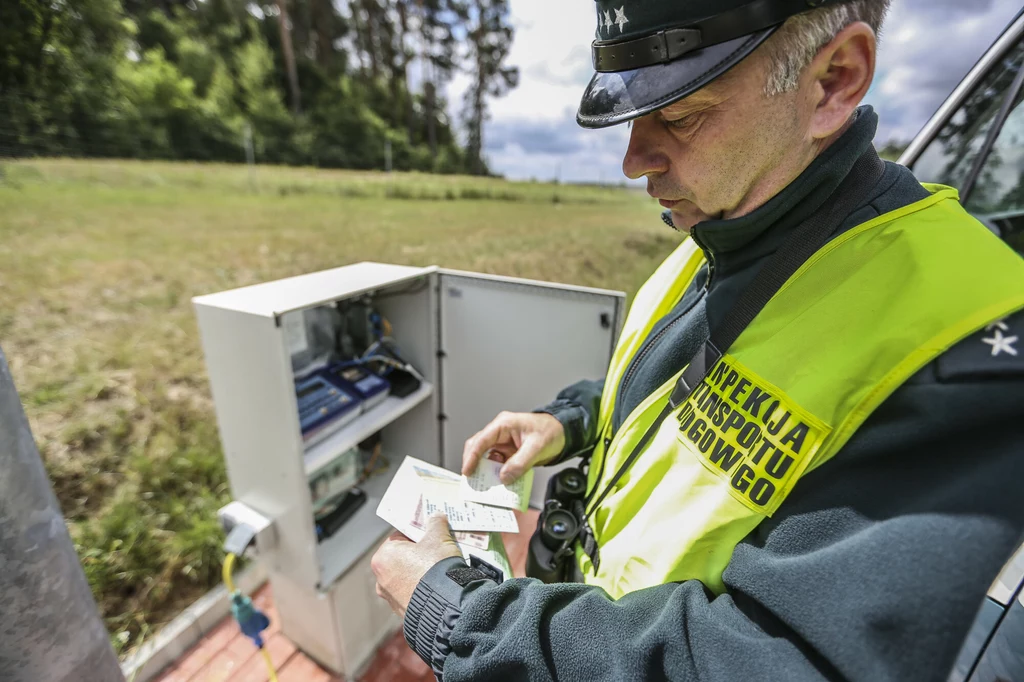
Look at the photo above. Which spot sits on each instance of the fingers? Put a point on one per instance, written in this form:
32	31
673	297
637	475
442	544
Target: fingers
439	531
438	526
522	441
522	461
501	453
492	435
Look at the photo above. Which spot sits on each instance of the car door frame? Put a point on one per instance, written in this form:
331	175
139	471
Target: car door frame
1007	41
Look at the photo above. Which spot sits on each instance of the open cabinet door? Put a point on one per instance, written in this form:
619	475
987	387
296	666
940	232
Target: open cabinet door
513	344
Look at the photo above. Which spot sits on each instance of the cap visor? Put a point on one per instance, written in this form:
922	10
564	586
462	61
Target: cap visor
613	98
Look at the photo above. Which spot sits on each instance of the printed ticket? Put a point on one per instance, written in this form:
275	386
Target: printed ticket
484	486
420	490
479	540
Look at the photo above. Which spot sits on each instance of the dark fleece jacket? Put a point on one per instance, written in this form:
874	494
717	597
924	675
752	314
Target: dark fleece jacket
871	569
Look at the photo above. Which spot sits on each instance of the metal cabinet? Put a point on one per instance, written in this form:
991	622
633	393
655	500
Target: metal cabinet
482	344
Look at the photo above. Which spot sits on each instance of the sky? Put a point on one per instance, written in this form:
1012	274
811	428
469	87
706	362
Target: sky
927	47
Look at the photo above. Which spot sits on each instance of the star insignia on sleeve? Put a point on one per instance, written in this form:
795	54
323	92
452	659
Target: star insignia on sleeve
620	17
607	20
999	342
993	350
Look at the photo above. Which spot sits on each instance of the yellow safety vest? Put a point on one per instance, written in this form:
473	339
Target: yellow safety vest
866	312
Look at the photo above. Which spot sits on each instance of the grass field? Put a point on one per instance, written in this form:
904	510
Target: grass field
99	260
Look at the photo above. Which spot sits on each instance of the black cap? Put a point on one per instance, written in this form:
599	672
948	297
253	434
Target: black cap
651	53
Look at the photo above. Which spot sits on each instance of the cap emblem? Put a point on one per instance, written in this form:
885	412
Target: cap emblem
620	17
606	24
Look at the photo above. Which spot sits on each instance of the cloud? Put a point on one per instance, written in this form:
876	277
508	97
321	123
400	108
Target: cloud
927	47
576	68
532	132
556	148
956	6
537	137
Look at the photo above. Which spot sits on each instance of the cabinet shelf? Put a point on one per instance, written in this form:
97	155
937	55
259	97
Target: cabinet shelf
364	426
360	533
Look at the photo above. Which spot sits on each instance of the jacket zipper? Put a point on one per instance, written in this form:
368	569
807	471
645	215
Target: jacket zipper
650	343
709	257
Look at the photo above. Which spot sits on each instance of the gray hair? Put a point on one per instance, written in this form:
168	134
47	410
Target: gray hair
792	48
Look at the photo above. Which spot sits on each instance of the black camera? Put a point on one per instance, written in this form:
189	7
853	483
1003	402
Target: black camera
551	546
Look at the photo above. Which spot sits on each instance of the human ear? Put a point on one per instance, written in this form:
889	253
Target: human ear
839	76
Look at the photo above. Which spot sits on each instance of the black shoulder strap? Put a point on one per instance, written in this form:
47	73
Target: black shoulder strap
802	243
799	246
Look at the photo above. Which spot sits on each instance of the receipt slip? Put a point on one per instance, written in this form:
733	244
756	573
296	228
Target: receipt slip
485	486
420	490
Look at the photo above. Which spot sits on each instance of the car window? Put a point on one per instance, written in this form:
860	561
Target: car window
1000	185
949	156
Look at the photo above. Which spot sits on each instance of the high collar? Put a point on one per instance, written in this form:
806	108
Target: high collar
740	240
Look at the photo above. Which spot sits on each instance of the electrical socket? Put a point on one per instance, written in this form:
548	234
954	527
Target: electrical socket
236	513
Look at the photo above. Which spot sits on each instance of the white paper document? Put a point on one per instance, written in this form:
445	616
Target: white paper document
467	516
469	539
420	490
484	486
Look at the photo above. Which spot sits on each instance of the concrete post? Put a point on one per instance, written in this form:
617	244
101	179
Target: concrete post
50	630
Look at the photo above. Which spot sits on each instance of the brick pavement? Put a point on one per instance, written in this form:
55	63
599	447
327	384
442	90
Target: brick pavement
225	655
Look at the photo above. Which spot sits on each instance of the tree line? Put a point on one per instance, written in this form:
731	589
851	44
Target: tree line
330	83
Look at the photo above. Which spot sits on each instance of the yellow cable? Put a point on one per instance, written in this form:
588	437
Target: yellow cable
270	665
229	564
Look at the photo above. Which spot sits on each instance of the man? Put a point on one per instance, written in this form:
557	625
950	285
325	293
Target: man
804	458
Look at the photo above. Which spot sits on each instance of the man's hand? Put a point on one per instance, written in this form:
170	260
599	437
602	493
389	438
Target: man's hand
400	563
521	440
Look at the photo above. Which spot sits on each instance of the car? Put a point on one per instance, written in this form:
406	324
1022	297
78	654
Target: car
975	143
975	140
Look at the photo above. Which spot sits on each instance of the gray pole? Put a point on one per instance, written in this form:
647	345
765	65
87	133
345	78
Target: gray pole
50	630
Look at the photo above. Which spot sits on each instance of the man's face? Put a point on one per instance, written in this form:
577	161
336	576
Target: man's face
720	152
